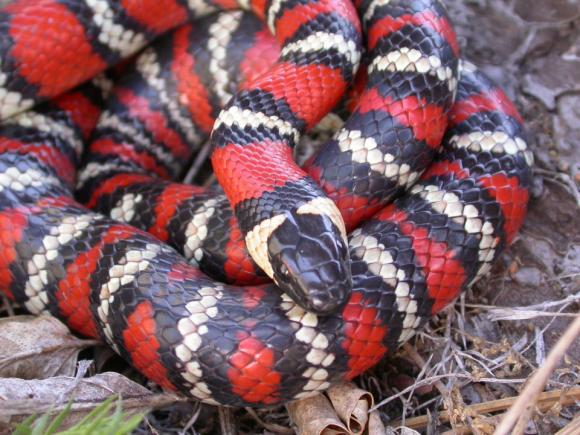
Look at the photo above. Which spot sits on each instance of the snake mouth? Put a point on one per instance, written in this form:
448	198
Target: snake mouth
310	262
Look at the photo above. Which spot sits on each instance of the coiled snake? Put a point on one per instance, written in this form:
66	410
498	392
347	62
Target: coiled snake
424	128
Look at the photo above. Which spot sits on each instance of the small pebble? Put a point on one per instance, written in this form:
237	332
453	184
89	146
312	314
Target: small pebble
528	276
537	187
513	268
563	166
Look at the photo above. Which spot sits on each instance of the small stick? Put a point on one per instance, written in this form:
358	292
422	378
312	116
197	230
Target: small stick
429	380
209	180
23	407
571	428
197	409
269	426
7	305
443	390
420	362
197	163
227	421
522	408
545	401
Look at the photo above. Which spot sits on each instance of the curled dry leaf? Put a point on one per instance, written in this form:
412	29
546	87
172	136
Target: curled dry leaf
21	398
375	425
402	430
315	416
38	348
352	405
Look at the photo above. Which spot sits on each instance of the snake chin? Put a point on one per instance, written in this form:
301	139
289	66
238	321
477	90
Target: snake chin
311	263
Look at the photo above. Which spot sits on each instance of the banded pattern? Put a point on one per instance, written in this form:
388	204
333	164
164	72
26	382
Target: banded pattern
137	134
253	346
198	223
248	346
85	38
278	229
55	131
397	127
278	207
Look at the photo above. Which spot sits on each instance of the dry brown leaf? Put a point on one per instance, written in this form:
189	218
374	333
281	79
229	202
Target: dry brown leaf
401	430
315	416
375	425
20	398
38	348
352	405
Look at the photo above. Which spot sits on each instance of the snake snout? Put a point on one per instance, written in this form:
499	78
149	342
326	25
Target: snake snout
310	262
329	300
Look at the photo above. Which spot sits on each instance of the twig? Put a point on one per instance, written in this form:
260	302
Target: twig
150	427
23	407
520	53
7	305
563	180
430	380
544	329
559	277
197	163
269	426
540	347
461	319
506	314
530	311
545	401
227	421
571	428
420	362
521	410
422	373
209	181
197	409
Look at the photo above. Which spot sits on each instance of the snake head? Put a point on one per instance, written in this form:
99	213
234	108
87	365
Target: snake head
309	257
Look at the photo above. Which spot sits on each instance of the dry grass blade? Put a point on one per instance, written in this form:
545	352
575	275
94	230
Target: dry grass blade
432	379
272	427
518	415
529	312
545	401
200	159
572	428
228	424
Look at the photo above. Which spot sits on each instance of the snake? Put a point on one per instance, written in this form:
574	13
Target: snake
407	205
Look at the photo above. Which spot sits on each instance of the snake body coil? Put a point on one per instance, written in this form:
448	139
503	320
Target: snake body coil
252	345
